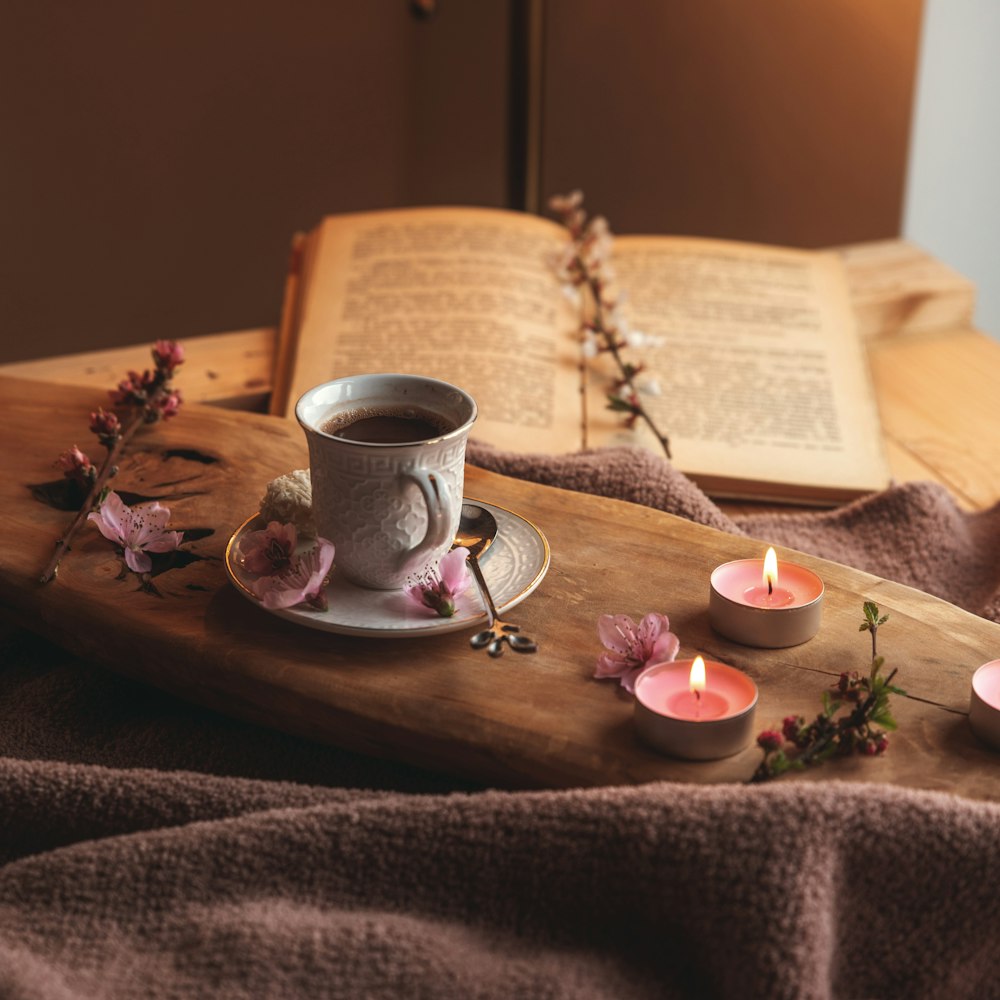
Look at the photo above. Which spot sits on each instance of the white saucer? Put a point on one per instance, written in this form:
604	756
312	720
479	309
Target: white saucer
514	565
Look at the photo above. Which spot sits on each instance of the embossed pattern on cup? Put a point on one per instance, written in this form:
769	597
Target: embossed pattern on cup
391	510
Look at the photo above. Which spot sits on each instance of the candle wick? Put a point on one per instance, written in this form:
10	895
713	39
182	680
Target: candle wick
770	587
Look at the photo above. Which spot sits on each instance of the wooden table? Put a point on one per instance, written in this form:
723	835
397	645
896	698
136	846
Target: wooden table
521	721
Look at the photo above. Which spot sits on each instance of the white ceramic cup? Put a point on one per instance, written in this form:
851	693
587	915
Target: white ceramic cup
391	510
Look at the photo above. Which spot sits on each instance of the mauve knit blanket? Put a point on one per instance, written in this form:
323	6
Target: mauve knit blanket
152	849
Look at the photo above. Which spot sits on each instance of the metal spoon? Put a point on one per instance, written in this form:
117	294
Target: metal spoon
476	530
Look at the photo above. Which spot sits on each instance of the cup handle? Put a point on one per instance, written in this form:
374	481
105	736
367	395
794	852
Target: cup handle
437	498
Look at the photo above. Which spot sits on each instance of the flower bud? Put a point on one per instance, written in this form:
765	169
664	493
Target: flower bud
132	389
562	203
790	727
105	425
167	405
167	354
77	466
769	740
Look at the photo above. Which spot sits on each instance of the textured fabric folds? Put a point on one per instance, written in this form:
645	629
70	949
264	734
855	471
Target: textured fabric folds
151	849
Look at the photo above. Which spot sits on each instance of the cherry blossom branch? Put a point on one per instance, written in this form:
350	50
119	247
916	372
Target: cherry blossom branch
586	263
149	398
629	402
107	470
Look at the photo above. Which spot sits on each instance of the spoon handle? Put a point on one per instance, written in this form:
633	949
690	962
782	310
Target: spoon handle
497	632
491	609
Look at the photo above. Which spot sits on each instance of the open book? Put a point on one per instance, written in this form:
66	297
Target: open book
763	385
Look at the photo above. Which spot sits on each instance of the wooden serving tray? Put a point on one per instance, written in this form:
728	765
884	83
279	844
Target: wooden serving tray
519	721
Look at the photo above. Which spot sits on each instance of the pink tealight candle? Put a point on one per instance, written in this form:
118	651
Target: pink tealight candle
694	702
695	709
759	603
984	707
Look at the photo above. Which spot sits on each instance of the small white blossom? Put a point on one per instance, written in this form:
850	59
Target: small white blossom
563	203
597	243
618	321
636	339
563	263
650	387
572	293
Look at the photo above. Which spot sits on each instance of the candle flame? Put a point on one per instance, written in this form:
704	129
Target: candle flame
770	569
697	680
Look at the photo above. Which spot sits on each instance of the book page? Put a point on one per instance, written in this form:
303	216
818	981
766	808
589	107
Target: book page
761	373
465	295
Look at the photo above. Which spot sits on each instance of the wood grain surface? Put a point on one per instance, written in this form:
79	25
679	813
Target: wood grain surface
519	721
231	368
939	405
897	288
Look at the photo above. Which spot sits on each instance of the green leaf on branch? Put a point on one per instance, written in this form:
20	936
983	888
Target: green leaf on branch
885	720
831	705
872	619
832	732
619	405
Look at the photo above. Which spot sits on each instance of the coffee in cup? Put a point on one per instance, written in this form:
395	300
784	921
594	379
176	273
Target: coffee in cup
387	424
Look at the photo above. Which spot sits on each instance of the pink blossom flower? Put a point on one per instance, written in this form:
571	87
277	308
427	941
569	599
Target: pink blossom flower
438	590
138	530
632	647
269	550
301	582
168	354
